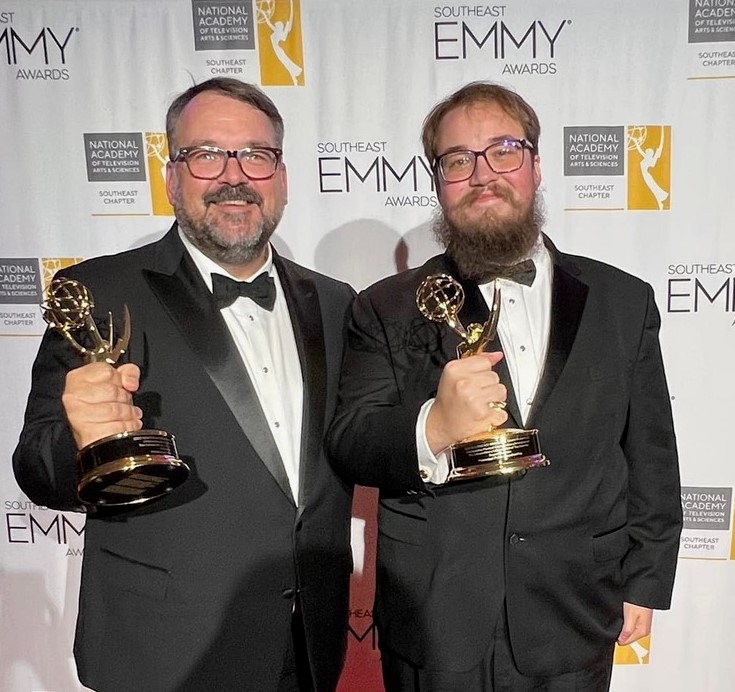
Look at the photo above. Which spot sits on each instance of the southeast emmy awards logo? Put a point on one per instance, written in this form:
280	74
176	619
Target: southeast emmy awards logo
617	167
122	165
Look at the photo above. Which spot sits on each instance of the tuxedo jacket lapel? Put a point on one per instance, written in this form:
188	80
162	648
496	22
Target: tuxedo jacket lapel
568	298
177	284
306	318
476	310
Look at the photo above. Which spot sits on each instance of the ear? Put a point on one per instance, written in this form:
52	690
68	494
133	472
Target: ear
283	175
171	181
536	171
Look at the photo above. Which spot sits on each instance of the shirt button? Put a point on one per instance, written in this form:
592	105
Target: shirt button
276	424
512	301
425	475
523	348
252	319
265	369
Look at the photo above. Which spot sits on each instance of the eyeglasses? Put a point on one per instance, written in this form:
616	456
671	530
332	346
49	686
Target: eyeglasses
208	163
504	156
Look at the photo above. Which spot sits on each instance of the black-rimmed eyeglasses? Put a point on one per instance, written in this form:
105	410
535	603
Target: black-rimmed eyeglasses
208	163
504	156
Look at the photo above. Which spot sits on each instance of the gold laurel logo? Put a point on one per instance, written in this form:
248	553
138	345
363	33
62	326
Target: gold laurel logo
156	152
51	265
636	653
280	44
649	167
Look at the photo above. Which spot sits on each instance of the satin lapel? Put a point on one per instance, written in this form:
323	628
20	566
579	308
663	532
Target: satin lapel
475	309
306	318
568	298
182	292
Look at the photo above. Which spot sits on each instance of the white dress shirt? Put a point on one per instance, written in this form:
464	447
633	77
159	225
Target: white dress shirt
267	346
523	328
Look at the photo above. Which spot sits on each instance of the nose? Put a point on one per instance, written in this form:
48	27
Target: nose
483	174
232	174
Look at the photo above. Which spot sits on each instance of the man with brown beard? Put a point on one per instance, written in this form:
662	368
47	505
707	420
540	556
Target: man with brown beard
523	581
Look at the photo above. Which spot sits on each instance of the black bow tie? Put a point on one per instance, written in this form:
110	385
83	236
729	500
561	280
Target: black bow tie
522	273
262	289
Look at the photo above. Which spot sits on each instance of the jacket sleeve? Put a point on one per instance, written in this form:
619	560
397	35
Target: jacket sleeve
372	440
44	461
654	493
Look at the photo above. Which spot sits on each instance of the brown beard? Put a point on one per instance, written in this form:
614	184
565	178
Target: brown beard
479	247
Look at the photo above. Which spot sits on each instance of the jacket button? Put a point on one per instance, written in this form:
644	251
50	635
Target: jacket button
288	593
515	539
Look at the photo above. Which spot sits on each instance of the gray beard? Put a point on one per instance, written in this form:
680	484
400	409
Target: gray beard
205	237
479	247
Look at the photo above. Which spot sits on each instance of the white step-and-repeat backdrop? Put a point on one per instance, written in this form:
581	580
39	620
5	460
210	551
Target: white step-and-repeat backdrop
637	105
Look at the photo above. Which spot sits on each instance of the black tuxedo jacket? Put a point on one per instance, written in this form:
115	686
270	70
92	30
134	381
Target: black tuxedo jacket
563	546
195	591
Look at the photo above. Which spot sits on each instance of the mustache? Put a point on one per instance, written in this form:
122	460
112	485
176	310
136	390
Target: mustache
238	193
502	192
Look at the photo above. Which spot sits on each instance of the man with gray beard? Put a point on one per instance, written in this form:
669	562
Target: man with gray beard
499	573
237	579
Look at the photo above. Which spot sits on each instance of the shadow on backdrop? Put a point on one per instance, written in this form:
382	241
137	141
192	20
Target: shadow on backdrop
363	251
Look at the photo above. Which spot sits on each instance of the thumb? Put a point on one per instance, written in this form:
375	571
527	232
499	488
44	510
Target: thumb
129	376
494	357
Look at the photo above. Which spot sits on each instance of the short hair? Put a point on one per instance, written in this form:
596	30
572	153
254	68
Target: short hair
472	94
227	86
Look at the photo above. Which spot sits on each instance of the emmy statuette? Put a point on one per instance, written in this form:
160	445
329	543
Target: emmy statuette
439	298
130	467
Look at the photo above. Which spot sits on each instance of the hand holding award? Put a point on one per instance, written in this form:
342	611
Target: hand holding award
126	465
494	451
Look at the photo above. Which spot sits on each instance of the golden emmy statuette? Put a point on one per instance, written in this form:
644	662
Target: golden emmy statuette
439	298
129	467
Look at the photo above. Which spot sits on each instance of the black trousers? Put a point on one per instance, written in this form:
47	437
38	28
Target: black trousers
296	675
496	672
